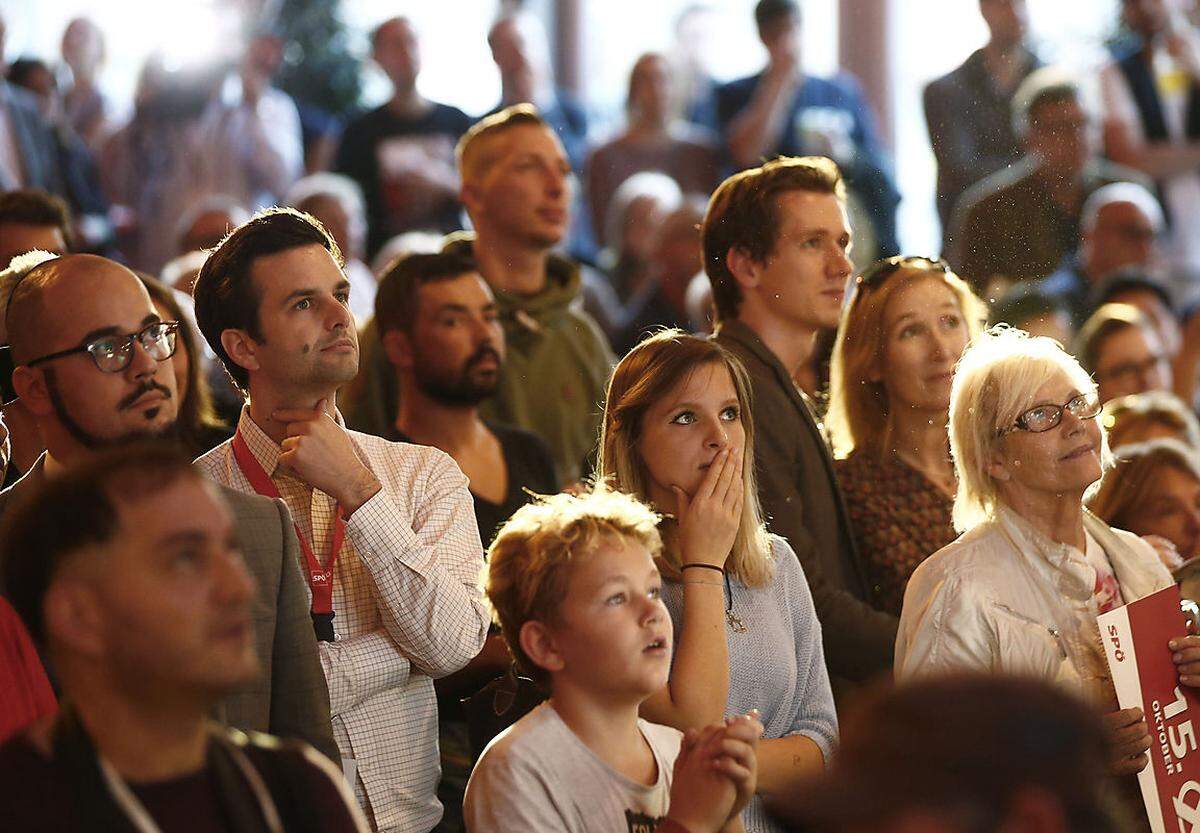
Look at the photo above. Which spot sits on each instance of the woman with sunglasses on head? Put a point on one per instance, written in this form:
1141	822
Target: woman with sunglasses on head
1020	590
677	434
900	336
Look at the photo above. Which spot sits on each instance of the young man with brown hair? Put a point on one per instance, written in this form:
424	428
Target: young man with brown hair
776	248
392	552
516	188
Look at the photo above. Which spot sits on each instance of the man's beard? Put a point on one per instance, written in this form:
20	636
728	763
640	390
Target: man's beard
462	391
92	442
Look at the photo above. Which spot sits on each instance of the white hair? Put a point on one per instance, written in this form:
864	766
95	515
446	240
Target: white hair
997	380
183	268
410	242
1047	83
212	204
1118	192
653	185
337	187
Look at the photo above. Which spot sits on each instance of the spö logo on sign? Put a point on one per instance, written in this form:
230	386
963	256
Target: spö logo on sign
1118	654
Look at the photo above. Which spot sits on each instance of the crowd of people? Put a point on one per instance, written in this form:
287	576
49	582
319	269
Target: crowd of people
375	484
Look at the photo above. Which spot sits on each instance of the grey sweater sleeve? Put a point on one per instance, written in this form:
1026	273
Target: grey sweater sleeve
813	713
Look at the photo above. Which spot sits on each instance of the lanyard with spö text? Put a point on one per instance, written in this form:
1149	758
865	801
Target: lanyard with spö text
320	578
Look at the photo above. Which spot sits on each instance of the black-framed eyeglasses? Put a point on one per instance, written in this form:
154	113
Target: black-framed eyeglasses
112	353
1045	417
879	271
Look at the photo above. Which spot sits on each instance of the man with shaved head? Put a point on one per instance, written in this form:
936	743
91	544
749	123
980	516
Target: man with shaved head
92	365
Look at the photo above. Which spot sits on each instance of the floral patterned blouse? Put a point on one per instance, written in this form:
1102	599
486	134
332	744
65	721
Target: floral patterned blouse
898	517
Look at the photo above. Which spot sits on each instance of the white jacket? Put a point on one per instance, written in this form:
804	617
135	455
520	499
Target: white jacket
1004	598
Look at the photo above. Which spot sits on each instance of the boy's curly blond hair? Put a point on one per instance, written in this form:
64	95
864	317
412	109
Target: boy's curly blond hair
531	558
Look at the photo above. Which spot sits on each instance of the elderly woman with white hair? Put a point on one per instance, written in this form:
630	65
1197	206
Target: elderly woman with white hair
1019	591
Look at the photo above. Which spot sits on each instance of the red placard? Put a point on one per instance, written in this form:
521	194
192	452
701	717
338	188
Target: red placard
1135	640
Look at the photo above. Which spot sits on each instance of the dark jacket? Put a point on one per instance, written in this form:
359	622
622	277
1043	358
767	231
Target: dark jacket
1009	226
33	138
839	101
289	698
803	504
970	128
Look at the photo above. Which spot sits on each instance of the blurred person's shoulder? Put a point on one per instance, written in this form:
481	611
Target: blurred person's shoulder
35	790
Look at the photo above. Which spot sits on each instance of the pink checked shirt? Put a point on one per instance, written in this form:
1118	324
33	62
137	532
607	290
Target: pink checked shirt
407	609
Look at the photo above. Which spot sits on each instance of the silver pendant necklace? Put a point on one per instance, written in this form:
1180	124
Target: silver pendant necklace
735	623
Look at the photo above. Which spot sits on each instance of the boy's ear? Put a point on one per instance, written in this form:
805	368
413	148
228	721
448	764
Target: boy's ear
537	641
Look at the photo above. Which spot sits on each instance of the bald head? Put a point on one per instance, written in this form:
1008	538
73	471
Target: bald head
56	292
86	365
395	49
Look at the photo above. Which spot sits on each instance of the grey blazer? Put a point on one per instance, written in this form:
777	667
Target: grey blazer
290	698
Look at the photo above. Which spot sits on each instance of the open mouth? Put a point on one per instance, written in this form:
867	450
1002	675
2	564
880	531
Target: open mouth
656	646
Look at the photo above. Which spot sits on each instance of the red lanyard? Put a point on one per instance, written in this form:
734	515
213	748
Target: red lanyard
320	579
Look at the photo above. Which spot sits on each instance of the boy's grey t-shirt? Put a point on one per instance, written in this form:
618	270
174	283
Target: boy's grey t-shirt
538	776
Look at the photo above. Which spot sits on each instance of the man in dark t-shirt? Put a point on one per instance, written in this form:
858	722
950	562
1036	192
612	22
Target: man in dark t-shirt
441	332
402	153
785	111
144	603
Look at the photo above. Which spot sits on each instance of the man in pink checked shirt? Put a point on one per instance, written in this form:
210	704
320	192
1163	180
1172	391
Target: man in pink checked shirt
391	550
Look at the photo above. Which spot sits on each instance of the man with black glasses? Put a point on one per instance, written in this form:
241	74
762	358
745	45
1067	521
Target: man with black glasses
91	366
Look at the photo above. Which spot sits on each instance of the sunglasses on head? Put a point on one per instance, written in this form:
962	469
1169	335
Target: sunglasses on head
880	270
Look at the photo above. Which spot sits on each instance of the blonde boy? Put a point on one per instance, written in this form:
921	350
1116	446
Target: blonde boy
574	587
